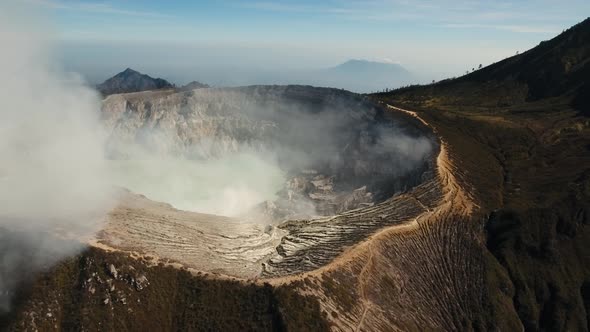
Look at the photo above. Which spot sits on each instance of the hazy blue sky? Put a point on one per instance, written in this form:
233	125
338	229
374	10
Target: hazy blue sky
442	37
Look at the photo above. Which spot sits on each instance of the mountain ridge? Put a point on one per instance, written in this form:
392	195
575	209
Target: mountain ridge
520	131
556	68
373	74
368	64
193	85
130	80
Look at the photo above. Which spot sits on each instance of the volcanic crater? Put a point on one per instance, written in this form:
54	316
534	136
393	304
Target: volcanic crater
349	167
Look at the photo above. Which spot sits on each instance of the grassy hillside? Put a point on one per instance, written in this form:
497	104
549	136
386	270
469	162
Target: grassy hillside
84	294
556	71
520	130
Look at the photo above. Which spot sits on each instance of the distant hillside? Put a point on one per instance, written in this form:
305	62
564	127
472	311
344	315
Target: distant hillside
365	76
359	76
193	85
558	68
130	80
365	67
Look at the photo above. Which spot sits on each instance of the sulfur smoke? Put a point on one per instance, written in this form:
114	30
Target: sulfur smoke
228	185
53	184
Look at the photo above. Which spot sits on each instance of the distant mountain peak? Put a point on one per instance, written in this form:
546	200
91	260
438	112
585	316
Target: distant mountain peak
193	85
131	80
368	75
369	64
365	61
129	71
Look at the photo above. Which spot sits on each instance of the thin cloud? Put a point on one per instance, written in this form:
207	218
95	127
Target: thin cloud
344	10
507	16
512	28
275	6
94	7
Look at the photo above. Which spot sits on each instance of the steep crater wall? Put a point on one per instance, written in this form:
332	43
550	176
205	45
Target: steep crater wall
337	150
349	168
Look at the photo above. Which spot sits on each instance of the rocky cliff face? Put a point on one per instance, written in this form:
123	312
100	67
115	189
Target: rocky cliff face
338	150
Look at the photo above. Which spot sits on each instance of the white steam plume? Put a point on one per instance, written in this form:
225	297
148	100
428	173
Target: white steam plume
52	169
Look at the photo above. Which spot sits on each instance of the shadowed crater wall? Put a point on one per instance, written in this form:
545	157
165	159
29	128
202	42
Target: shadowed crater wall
325	151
